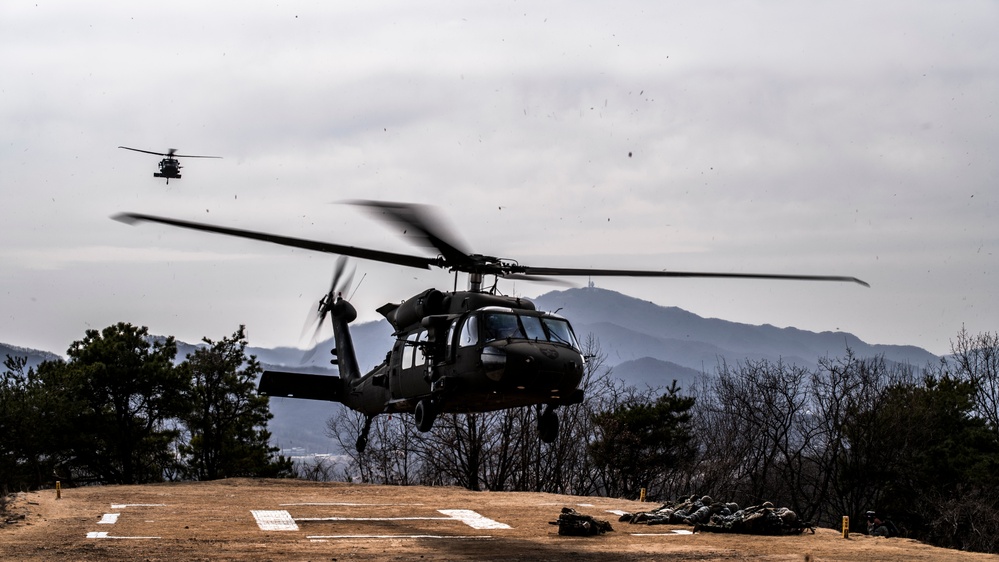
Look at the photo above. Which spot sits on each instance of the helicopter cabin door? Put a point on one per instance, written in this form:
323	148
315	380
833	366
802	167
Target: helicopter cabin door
411	379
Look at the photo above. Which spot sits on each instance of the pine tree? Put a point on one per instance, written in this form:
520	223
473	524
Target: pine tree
226	420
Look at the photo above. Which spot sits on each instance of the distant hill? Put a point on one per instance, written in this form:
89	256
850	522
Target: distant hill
654	373
34	356
629	329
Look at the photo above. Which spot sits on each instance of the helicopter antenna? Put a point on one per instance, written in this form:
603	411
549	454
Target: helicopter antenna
351	297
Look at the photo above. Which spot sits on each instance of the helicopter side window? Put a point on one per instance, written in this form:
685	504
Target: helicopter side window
418	357
409	351
560	331
469	332
500	326
450	338
533	328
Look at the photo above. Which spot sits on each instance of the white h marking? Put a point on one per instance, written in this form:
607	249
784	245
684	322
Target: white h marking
277	520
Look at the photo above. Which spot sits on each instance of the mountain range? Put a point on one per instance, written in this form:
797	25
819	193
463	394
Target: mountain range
644	344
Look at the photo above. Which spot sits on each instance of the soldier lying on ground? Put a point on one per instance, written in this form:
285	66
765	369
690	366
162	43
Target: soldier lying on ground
707	515
573	523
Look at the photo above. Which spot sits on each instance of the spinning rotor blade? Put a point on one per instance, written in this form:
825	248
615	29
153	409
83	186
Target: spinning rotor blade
362	253
432	233
341	282
146	151
527	270
429	229
536	279
190	155
170	153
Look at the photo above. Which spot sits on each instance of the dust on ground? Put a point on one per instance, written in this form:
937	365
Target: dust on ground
256	519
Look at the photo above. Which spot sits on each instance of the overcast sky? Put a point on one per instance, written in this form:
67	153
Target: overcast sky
844	138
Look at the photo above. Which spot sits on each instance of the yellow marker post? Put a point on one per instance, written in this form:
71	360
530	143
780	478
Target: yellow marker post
58	490
846	526
641	496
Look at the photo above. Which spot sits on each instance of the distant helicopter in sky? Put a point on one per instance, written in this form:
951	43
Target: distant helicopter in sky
169	166
453	351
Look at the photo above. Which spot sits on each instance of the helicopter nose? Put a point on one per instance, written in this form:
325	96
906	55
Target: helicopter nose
529	365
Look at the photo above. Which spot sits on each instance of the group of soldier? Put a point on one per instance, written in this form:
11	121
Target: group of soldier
707	515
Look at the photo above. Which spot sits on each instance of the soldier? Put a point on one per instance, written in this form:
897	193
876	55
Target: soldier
878	526
573	523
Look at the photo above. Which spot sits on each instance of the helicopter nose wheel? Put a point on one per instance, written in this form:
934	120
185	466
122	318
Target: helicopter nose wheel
425	413
548	425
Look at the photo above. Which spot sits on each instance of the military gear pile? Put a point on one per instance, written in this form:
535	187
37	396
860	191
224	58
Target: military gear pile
573	523
716	517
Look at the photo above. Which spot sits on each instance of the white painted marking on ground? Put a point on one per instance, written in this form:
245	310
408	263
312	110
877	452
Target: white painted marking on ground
673	532
124	505
348	504
585	504
109	519
324	538
473	519
374	518
103	535
274	520
617	512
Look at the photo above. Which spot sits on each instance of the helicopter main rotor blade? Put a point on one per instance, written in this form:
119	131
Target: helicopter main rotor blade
429	229
170	154
452	256
567	271
146	151
362	253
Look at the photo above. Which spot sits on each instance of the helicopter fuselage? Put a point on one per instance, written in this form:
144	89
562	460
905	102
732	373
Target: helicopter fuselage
169	169
486	359
463	352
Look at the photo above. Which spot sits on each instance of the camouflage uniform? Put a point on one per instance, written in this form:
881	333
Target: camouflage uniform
573	523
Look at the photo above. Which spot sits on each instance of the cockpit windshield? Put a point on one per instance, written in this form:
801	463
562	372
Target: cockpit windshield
505	325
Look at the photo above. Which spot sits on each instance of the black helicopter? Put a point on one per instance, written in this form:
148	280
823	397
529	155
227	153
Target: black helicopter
169	166
455	352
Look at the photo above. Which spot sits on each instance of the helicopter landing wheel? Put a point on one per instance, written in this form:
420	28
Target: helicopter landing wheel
548	425
425	413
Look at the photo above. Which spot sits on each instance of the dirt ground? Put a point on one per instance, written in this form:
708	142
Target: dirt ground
246	519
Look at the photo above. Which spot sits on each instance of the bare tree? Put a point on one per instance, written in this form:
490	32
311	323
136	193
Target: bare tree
977	360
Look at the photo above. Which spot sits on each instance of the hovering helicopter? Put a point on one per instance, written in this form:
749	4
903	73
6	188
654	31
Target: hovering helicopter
454	352
169	166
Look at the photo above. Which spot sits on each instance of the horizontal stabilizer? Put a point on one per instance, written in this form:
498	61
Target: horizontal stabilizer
300	385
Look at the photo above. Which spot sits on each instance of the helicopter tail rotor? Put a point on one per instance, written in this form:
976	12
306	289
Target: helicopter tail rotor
343	276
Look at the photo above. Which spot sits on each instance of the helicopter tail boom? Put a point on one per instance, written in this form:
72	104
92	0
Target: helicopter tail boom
342	313
301	385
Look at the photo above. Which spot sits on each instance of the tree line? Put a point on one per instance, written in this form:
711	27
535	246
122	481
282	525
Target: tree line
122	410
919	444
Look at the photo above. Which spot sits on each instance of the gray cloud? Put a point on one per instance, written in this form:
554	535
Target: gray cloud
835	137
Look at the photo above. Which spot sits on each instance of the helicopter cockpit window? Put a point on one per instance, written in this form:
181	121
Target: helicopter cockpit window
533	328
501	325
560	331
469	332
